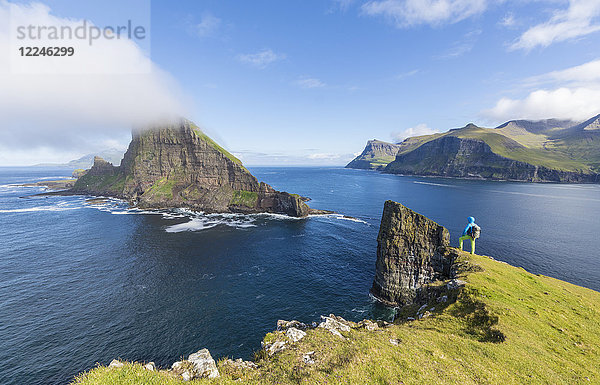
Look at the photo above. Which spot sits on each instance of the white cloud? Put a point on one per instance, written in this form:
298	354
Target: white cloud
561	103
88	103
572	93
407	13
508	20
579	19
582	75
308	82
406	74
462	46
306	157
457	49
324	156
207	26
261	59
418	130
342	5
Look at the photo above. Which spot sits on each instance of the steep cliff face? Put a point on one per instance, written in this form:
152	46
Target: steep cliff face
412	251
376	155
535	151
177	165
451	156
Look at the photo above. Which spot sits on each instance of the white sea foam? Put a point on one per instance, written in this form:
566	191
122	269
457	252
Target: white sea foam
198	220
280	217
339	217
54	178
40	208
10	188
195	224
201	222
433	184
208	276
351	219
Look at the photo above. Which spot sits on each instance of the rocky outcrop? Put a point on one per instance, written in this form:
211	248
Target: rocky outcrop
240	364
412	252
451	156
177	165
289	333
287	337
198	365
335	325
376	155
60	184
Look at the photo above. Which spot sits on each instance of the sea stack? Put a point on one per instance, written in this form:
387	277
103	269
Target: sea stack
412	251
177	165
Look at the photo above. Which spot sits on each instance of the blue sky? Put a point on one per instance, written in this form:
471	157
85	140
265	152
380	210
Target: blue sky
308	82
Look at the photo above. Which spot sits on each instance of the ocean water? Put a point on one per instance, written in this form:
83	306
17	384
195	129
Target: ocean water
84	283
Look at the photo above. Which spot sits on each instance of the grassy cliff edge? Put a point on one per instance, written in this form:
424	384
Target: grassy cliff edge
505	325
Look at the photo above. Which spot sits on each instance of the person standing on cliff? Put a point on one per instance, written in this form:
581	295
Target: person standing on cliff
472	232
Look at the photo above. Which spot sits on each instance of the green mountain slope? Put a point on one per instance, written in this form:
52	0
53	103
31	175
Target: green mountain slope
551	150
550	328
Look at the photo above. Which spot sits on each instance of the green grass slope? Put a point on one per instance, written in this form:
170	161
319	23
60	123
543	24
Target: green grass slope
506	326
214	144
558	145
535	149
523	149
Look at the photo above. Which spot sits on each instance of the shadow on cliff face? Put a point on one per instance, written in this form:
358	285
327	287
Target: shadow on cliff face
478	319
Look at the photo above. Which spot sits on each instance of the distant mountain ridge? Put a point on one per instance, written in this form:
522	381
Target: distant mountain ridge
377	154
537	126
538	151
112	155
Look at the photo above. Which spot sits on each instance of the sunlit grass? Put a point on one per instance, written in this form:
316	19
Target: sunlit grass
550	333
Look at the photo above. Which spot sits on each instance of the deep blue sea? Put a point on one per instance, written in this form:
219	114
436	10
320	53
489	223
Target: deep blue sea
83	283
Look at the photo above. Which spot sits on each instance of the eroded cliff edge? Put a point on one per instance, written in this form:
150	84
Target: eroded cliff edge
177	165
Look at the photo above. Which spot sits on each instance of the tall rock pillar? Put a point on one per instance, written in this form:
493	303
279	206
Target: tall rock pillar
412	251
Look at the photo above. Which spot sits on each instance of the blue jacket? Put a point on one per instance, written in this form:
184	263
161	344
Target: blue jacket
471	223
